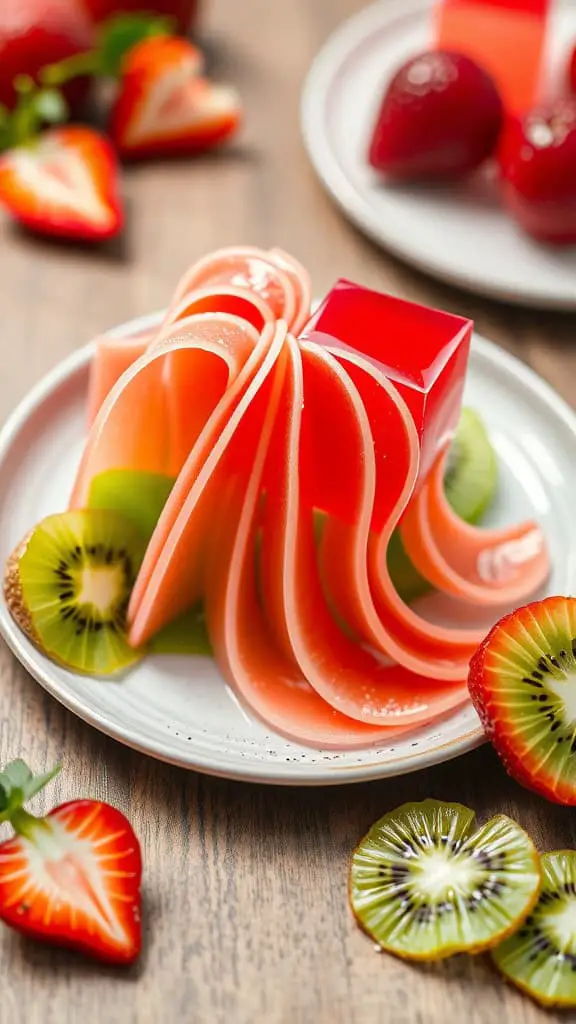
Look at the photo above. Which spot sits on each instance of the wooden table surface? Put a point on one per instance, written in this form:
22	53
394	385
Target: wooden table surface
246	918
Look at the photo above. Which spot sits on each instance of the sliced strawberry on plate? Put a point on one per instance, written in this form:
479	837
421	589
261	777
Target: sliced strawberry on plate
71	878
63	183
165	108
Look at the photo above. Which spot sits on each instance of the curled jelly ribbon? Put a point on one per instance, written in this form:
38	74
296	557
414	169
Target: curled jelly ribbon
259	430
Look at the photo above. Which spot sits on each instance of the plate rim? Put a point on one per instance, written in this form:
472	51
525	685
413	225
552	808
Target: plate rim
308	775
339	44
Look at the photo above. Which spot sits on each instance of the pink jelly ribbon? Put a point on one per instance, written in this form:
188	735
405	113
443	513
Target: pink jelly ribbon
259	430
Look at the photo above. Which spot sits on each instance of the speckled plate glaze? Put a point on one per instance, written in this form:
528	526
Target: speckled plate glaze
179	709
481	249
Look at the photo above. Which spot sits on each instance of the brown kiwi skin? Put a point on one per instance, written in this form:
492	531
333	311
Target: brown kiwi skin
540	1000
445	954
14	596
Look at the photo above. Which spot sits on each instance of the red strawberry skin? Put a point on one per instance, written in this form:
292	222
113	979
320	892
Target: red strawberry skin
82	150
182	11
538	165
34	33
572	70
492	702
210	114
440	117
77	884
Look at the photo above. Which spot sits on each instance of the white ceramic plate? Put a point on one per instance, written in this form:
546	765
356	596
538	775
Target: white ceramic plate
179	708
460	235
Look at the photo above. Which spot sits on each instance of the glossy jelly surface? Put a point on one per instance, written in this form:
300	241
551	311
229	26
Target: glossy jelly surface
507	37
423	351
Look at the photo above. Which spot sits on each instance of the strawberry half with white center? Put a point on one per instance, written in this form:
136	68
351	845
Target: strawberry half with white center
64	183
71	878
165	108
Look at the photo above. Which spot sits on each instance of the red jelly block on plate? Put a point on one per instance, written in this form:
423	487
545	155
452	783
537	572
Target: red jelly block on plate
506	37
424	352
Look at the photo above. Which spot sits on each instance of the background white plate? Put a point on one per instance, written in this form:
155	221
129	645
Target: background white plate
458	234
179	708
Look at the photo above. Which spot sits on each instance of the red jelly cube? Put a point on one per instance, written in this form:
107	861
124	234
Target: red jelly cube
506	37
424	352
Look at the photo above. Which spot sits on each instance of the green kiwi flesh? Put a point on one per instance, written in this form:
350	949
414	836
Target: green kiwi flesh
470	483
471	476
140	495
68	584
136	494
186	634
425	882
540	958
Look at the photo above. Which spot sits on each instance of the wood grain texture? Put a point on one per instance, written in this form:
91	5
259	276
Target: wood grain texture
245	887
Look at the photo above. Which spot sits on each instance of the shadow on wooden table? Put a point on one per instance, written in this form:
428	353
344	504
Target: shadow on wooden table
117	250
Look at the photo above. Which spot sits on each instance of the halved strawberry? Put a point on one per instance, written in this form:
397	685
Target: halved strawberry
522	683
165	108
72	878
64	183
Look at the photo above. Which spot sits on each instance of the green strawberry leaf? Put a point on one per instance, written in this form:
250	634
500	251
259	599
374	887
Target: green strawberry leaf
121	33
18	784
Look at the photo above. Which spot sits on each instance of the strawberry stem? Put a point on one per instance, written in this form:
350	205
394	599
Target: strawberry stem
28	825
115	38
17	786
76	66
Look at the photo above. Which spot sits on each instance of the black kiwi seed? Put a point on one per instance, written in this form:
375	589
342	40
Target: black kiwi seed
52	563
541	957
449	888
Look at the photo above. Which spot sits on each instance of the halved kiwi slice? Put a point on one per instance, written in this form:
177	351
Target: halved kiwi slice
470	482
540	958
68	584
425	882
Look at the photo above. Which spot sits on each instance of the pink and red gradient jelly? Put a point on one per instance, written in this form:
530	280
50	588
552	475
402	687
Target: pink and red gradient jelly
423	351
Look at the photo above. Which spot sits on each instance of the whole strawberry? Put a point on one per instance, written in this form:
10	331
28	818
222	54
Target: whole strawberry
34	33
538	163
440	117
73	877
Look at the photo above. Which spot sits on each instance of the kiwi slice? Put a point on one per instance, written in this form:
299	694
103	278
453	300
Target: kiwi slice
68	583
540	958
140	496
425	882
471	476
470	482
136	494
522	682
187	634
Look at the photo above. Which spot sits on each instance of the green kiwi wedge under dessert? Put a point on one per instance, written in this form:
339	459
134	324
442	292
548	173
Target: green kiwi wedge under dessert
140	496
426	882
470	483
68	584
